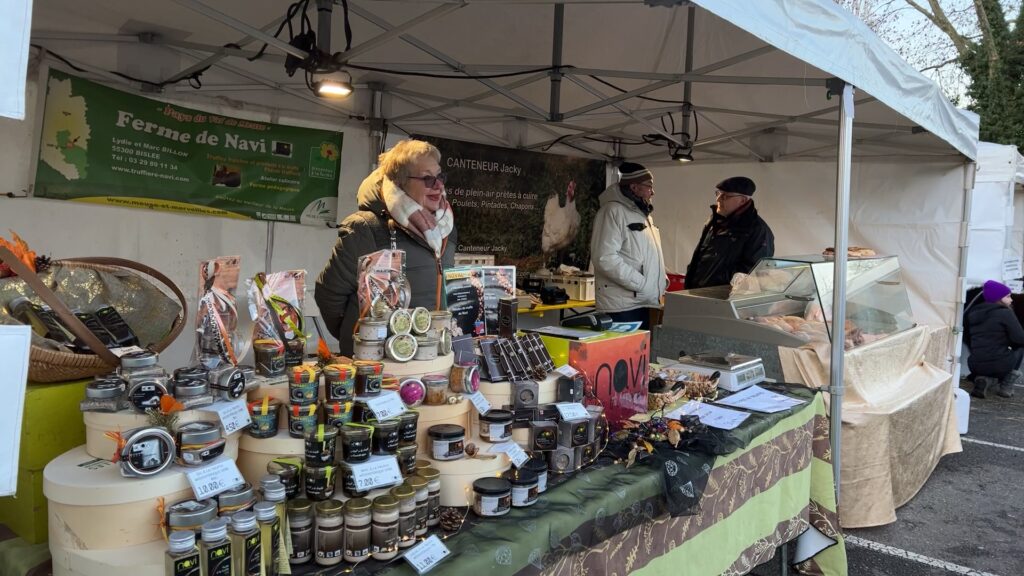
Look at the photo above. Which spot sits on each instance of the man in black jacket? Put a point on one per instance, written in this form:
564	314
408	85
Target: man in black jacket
996	341
733	240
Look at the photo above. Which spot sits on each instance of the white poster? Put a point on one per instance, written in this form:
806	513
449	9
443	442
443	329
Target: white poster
14	349
15	29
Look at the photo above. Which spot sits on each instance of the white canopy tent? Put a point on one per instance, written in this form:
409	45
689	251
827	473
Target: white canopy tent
771	80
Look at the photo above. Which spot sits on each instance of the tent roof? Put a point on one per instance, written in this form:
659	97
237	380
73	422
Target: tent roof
757	73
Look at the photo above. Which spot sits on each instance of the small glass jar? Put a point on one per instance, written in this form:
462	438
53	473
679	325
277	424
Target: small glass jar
419	484
385	436
240	499
363	349
300	523
447	441
304	385
368	378
408	424
320	482
361	413
294	350
289	474
264	414
412	391
433	478
496	426
355	444
539	466
401	347
439	320
420	321
320	444
348	482
358	519
199	443
373	329
406	497
105	394
437	389
338	414
465	378
191	515
400	321
192	393
426	348
339	382
492	497
407	459
330	532
524	487
269	355
302	418
384	534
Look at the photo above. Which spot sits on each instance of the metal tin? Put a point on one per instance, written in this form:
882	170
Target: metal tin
141	359
146	393
104	389
191	373
401	347
400	321
496	426
228	384
146	451
367	349
198	433
237	499
197	455
371	329
190	388
444	347
426	348
190	514
412	391
421	320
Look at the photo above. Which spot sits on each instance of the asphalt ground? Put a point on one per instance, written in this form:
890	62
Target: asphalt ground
967	519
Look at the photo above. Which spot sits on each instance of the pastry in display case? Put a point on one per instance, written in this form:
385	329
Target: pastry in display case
786	301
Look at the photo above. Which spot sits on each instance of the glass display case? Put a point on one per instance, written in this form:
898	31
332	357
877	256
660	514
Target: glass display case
786	301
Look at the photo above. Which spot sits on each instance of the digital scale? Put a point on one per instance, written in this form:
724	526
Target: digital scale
736	371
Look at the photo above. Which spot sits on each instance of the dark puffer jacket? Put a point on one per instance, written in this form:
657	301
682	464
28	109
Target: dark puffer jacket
729	245
992	331
365	232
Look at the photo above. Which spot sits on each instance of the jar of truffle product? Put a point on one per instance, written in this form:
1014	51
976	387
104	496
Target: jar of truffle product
401	347
437	389
302	418
264	415
420	321
408	424
385	436
337	414
239	499
355	443
330	532
300	522
407	459
289	470
339	382
406	497
357	530
368	378
319	444
492	496
361	413
465	378
524	487
269	355
496	426
384	534
348	482
539	466
192	393
419	484
191	515
400	321
447	441
433	478
439	320
426	348
320	482
304	385
105	394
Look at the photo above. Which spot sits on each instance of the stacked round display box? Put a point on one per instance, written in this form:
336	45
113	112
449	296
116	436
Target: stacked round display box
104	497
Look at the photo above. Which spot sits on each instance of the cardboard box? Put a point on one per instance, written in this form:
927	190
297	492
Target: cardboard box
615	366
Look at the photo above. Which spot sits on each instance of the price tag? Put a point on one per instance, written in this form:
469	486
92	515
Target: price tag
572	411
376	472
480	403
234	415
125	350
214	478
515	453
567	371
427	554
386	406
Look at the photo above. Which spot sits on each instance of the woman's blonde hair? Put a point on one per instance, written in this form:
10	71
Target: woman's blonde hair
397	163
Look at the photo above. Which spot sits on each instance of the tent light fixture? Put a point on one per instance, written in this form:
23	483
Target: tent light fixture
683	155
332	86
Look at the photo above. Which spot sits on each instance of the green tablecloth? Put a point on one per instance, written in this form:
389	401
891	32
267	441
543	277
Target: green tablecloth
609	520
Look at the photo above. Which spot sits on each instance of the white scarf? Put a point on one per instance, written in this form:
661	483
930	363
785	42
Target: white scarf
433	228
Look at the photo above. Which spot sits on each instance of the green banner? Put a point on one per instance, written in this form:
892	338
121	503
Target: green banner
109	147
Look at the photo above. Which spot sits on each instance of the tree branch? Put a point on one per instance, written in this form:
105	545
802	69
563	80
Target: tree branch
940	64
938	17
990	42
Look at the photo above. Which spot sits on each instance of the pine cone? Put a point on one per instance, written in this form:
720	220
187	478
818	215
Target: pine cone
451	519
43	263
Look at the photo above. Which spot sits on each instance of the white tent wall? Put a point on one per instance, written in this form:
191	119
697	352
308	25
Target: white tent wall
991	237
911	210
172	243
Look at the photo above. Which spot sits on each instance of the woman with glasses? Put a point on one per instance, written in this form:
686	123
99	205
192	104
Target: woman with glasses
403	199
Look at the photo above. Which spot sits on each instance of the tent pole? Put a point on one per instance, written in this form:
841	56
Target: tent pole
843	165
555	112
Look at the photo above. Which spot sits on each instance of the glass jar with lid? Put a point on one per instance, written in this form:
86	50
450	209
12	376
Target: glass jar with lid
357	530
330	532
384	534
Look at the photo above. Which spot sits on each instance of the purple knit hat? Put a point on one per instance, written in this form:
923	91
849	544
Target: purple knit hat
993	291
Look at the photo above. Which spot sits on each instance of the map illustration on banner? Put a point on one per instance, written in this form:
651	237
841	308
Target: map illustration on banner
527	208
106	146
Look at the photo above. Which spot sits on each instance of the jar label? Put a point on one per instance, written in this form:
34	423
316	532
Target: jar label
407	526
340	391
448	449
218	560
407	431
357	542
493	505
303	393
253	550
297	425
499	432
264	425
387	442
524	495
187	566
320	451
146	396
319	487
329	542
355	450
421	517
384	537
433	508
302	542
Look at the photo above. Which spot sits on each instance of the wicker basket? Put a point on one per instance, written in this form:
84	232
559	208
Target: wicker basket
47	365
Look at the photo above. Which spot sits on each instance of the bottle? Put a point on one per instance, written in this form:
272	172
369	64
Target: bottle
182	558
270	538
42	319
216	548
300	523
275	492
245	542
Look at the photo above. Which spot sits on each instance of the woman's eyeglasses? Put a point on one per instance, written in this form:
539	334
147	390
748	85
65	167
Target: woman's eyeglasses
431	181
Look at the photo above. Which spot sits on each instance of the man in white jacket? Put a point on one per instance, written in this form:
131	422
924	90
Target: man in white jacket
625	249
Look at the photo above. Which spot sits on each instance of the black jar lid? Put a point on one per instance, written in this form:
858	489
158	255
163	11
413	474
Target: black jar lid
521	477
498	416
536	465
491	486
446	431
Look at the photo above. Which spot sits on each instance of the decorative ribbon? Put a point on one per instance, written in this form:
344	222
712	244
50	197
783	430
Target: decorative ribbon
161	510
119	440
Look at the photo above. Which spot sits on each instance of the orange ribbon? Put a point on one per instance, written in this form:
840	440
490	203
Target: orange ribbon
119	440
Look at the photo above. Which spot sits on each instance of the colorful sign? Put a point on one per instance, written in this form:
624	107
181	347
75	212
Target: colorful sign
105	146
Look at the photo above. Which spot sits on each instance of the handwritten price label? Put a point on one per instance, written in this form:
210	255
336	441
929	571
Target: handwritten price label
214	478
424	556
514	451
572	411
386	406
234	415
480	403
376	472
